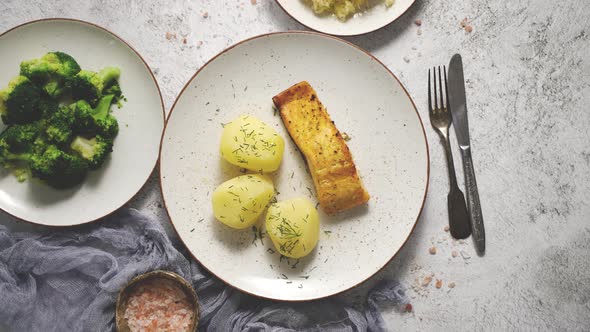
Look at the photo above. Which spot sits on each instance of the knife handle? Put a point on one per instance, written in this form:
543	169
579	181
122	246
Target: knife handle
477	228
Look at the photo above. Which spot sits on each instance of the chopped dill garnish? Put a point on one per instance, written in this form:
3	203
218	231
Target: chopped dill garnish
289	246
258	235
306	218
237	197
286	230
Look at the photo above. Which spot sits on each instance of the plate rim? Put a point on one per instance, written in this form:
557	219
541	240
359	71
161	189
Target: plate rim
296	32
94	25
346	34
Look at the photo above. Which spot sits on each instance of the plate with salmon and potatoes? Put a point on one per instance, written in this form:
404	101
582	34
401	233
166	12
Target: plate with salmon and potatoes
294	166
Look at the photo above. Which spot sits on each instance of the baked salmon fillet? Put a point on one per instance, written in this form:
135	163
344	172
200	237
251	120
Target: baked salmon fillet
337	183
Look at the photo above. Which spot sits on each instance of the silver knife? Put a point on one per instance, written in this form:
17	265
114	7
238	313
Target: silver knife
458	107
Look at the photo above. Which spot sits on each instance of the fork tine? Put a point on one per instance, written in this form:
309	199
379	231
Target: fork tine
429	93
435	97
442	104
446	88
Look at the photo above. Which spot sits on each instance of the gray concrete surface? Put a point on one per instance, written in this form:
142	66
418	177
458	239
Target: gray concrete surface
528	86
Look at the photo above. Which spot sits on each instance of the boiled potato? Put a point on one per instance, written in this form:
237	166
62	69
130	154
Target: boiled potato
249	143
240	201
293	226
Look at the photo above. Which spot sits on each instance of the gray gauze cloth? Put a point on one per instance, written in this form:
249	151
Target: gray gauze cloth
68	280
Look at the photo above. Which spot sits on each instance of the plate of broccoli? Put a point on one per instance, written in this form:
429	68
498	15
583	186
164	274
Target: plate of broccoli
81	122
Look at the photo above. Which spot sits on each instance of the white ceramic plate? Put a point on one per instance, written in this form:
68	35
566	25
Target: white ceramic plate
141	121
370	20
363	98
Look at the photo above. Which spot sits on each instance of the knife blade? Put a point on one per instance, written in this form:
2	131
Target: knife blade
458	106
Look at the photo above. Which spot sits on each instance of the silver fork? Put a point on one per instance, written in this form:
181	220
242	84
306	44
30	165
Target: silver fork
440	119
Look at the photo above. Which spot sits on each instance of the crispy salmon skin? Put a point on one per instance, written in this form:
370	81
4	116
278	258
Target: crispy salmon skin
337	183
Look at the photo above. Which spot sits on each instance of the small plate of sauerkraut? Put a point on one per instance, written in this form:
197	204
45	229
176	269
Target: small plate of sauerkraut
345	17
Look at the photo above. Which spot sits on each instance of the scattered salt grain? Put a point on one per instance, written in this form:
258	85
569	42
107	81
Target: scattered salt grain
205	14
451	285
426	281
454	253
446	228
406	59
419	32
465	24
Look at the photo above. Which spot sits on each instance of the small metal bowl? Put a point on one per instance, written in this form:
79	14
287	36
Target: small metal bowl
121	306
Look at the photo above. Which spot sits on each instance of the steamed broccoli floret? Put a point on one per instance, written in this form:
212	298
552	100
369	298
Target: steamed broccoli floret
4	153
14	161
15	150
20	137
89	85
18	143
58	168
47	106
58	144
21	152
59	126
51	72
94	150
21	102
113	89
90	121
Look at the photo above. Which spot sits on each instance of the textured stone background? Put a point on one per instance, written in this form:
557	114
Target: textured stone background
528	92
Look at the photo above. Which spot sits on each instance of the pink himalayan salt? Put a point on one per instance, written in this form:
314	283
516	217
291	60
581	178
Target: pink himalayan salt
158	305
